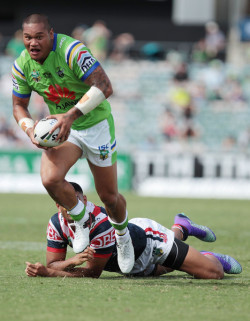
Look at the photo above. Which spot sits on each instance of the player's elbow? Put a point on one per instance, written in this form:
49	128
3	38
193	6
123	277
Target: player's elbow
109	91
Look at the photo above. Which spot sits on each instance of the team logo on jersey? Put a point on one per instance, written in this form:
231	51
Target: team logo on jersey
14	82
85	60
52	234
104	240
47	75
90	222
35	76
60	71
157	252
56	93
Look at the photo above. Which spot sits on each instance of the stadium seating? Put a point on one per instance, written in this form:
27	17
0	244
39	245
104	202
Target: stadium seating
142	93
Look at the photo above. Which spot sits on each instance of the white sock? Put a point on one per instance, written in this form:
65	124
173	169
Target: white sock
120	231
78	212
124	237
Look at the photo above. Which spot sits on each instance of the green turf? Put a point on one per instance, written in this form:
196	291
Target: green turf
175	296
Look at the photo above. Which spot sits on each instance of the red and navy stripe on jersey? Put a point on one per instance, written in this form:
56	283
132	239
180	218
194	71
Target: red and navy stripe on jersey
102	234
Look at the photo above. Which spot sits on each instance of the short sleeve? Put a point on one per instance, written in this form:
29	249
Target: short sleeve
20	86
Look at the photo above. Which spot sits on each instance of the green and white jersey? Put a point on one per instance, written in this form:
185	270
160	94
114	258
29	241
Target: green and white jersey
60	79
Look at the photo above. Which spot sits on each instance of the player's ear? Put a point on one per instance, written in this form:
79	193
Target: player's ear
85	199
51	33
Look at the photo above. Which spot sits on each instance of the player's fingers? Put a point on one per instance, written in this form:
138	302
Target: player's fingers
91	249
67	135
50	116
30	271
54	128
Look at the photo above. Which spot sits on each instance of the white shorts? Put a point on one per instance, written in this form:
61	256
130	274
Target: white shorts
98	143
159	243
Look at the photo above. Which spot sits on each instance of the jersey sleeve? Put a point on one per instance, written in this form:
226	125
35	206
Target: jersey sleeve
55	239
20	86
80	59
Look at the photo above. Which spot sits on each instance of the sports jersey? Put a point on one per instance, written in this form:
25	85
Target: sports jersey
152	242
60	79
102	235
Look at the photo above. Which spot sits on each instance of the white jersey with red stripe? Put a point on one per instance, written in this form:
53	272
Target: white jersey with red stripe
159	244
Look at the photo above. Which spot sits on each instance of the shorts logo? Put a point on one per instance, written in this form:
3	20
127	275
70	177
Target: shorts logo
104	151
14	82
85	60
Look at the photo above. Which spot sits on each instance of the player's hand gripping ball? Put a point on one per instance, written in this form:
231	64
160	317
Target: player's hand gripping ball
42	135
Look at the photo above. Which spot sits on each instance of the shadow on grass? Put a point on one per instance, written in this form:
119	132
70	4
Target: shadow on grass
176	280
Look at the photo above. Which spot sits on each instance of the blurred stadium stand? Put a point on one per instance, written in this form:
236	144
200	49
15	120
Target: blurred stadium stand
162	78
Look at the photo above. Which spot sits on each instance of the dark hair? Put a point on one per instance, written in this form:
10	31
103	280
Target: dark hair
37	18
77	187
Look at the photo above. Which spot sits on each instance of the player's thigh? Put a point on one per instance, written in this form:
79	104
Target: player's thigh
105	178
57	161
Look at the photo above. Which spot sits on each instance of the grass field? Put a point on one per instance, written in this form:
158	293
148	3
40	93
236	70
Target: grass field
176	296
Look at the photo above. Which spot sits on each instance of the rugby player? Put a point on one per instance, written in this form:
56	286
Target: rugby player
75	87
158	250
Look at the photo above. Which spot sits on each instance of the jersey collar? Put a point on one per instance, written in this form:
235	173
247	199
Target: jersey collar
54	42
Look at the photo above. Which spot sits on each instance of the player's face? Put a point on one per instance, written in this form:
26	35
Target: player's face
38	41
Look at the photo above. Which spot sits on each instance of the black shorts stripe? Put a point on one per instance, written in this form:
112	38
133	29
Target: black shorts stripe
177	255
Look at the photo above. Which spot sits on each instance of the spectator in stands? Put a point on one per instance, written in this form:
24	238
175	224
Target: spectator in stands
168	125
181	72
199	53
122	46
243	140
215	41
229	143
15	45
152	51
97	39
78	32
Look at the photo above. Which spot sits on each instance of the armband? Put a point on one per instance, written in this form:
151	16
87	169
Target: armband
26	123
95	97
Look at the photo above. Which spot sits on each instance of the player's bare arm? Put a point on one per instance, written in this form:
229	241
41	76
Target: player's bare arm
21	112
61	267
100	89
99	79
58	261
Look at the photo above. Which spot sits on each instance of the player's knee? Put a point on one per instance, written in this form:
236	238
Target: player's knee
50	181
215	273
109	199
218	274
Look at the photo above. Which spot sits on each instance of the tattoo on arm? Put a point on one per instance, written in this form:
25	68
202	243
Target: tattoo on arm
99	79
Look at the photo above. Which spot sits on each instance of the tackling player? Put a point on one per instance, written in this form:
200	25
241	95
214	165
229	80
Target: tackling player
158	250
75	87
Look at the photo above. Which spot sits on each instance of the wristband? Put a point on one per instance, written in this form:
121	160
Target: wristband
26	123
95	97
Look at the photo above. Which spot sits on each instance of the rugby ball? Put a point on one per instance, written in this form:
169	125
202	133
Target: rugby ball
42	135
